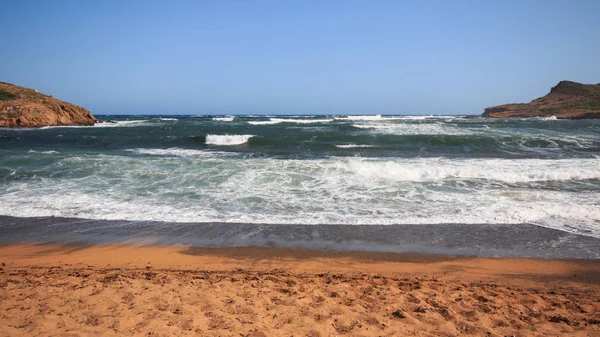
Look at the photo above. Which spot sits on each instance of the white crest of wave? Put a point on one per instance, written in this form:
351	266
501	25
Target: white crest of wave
290	120
413	129
223	119
361	118
179	152
376	118
301	121
109	124
227	139
269	122
61	127
322	191
349	146
420	118
43	152
167	119
500	170
550	118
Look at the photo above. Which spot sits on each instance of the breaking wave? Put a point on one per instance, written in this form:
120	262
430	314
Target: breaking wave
227	139
289	120
107	124
201	186
179	152
350	146
223	119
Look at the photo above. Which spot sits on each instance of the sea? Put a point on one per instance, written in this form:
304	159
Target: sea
457	185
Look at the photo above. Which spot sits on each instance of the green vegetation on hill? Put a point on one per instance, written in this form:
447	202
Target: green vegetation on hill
6	96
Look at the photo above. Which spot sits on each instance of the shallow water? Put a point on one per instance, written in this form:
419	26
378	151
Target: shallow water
308	170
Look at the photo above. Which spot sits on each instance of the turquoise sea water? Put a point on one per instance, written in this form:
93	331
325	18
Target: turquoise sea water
308	170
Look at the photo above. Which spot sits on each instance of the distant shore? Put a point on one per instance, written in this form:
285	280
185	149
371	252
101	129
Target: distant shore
566	100
128	290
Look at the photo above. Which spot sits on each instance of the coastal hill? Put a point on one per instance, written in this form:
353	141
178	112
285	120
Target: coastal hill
567	100
24	107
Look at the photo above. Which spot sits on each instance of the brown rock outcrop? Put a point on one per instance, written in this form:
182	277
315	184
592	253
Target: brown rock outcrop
24	107
567	100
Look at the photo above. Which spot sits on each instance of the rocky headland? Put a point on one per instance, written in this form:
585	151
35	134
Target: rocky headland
24	107
566	100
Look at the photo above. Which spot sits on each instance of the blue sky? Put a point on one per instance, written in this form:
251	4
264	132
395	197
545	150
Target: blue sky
298	57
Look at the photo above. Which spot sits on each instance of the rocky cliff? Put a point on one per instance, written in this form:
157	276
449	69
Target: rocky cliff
24	107
567	100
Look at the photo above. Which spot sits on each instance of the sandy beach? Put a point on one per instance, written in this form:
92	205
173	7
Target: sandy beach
300	169
77	290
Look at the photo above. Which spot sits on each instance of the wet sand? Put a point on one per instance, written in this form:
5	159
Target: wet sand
485	240
79	290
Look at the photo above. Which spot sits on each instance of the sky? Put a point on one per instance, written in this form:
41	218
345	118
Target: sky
298	57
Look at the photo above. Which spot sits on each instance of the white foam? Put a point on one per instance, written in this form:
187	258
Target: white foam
551	118
361	118
269	122
223	119
349	146
194	188
227	139
61	127
301	121
168	119
290	120
43	152
179	152
375	118
420	118
413	128
121	123
492	170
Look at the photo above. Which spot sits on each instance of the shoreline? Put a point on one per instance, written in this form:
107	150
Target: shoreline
222	259
484	240
266	291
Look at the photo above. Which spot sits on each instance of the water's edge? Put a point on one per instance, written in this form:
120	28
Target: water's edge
485	240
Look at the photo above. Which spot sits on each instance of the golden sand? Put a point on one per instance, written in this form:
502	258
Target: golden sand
53	290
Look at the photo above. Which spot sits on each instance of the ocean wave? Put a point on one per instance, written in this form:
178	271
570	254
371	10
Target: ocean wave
269	122
322	191
491	170
414	129
61	127
223	119
289	120
43	152
450	208
375	118
179	152
301	121
107	124
167	119
350	146
227	139
361	118
420	118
